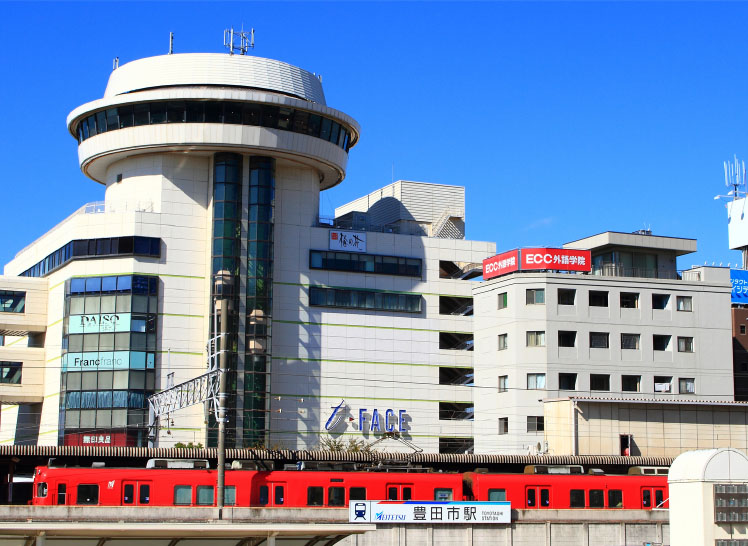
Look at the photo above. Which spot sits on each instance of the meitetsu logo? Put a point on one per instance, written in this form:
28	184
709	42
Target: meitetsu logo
381	516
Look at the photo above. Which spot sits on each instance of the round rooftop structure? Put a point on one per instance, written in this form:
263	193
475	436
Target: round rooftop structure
709	465
205	102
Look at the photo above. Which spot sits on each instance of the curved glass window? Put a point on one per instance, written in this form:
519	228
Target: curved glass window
231	112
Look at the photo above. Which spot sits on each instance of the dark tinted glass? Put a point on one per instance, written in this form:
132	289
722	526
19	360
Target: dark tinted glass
658	498
175	112
158	113
314	496
145	494
531	498
357	493
407	494
597	498
141	114
545	498
88	494
615	498
392	493
263	495
576	498
128	494
336	496
279	495
646	498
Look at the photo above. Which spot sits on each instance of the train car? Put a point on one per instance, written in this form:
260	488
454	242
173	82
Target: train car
194	487
558	491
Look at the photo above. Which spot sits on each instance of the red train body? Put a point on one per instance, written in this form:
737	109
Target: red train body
297	489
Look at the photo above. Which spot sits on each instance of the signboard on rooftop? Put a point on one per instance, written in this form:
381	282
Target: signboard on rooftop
739	279
429	512
534	259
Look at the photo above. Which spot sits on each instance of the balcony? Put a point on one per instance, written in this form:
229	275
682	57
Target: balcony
21	375
23	305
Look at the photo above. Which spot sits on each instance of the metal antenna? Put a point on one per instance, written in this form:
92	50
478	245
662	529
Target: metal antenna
171	43
735	176
115	63
246	40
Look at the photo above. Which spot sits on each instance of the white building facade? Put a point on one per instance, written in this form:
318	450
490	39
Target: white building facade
633	327
213	165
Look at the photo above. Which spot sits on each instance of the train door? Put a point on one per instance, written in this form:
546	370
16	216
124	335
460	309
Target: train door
653	497
62	493
399	491
538	496
136	493
273	494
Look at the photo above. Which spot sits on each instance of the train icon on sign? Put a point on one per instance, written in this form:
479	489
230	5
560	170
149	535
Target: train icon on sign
360	510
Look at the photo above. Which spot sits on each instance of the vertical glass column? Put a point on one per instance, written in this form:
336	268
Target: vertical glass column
227	199
259	297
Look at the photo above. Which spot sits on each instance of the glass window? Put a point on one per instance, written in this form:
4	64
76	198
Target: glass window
496	495
503	300
658	498
663	383
336	496
62	493
158	112
503	383
536	339
567	296
229	495
646	498
576	498
264	495
629	300
88	494
531	497
598	298
357	493
10	372
502	342
660	301
630	341
535	423
599	382
41	489
442	494
615	498
684	303
145	494
567	381
686	385
314	496
128	494
204	495
631	383
597	498
183	495
685	344
535	296
545	498
599	340
141	114
660	342
535	380
567	338
503	425
392	493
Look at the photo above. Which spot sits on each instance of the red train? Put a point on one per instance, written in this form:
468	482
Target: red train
196	487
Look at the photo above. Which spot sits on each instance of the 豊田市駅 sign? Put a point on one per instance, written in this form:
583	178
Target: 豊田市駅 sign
429	512
534	259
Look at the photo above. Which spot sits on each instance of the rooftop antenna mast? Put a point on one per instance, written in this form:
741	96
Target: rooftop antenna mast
171	43
246	40
735	178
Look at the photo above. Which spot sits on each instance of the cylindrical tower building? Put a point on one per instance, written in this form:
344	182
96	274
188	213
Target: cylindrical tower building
218	160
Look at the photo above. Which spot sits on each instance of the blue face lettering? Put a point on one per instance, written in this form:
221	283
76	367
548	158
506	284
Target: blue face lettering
401	419
336	416
361	419
375	421
389	417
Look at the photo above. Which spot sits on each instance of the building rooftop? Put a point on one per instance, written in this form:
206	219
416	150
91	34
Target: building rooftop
639	239
664	401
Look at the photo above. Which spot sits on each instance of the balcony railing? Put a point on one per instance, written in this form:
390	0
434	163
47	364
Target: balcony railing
616	270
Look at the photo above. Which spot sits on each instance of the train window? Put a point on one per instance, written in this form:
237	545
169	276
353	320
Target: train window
615	498
597	498
41	489
658	498
88	494
336	496
531	498
545	498
576	498
357	493
204	495
128	494
392	493
183	495
62	490
407	494
145	494
264	495
495	495
442	494
646	498
229	495
314	496
279	494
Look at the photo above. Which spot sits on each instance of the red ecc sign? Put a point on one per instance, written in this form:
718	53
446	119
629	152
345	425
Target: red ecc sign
559	259
503	263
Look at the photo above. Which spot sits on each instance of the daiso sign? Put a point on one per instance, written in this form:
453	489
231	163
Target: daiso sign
554	259
559	259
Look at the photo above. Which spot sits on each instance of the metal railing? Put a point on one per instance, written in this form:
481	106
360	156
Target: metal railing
616	270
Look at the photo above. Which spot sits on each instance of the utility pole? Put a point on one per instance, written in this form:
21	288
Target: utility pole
224	295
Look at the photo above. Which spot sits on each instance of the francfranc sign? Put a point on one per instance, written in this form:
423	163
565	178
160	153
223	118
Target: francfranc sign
554	259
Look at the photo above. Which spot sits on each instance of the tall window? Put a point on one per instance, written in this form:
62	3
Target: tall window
535	296
503	383
502	342
684	303
535	381
503	425
567	296
535	423
599	340
503	300
536	339
685	344
630	341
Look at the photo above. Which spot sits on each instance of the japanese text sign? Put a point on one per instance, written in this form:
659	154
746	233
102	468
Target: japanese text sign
739	278
560	259
352	241
500	264
429	512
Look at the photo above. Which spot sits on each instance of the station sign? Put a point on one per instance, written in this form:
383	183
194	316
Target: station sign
535	259
350	241
432	512
739	279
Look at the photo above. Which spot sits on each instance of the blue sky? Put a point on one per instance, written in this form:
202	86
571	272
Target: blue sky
561	120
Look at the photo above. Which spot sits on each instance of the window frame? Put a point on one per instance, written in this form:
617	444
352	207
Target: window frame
630	336
602	340
626	377
535	296
563	377
594	294
599	376
503	301
535	423
503	426
536	336
630	303
684	299
565	334
563	293
503	342
503	383
535	377
685	344
685	381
